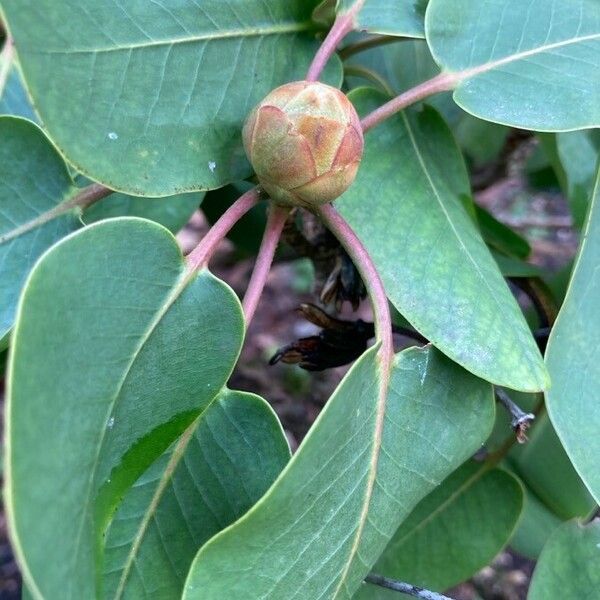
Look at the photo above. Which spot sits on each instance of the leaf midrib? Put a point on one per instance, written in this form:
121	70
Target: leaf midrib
64	206
179	284
378	431
452	225
294	27
152	507
490	66
462	489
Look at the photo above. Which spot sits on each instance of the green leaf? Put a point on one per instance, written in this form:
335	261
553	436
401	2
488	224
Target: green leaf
481	141
573	157
391	17
568	565
531	64
578	153
117	347
221	466
33	182
36	211
26	594
512	267
535	527
406	207
501	237
543	464
324	13
574	361
329	515
13	97
247	233
470	517
172	212
158	91
403	66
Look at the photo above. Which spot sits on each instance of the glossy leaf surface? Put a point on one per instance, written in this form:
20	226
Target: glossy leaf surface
535	527
172	212
13	97
569	564
531	64
33	181
573	358
116	349
544	465
391	17
158	91
578	152
406	207
35	189
403	66
454	531
220	467
318	530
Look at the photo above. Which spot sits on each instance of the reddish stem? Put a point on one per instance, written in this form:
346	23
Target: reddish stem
202	253
363	262
342	26
440	83
275	224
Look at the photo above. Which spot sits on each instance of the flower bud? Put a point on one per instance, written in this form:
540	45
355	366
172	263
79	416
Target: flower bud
305	143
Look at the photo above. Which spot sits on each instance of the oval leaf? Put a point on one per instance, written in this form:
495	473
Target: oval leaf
34	181
535	527
391	17
573	358
406	207
221	466
117	347
470	517
527	64
37	210
172	212
578	153
569	564
158	91
544	466
320	528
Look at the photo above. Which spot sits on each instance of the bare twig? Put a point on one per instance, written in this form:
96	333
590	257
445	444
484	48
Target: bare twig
520	421
405	588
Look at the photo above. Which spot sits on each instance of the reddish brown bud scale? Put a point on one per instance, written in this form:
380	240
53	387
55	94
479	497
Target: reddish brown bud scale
305	143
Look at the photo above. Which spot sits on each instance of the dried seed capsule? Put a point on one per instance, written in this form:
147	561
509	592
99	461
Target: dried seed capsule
305	143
